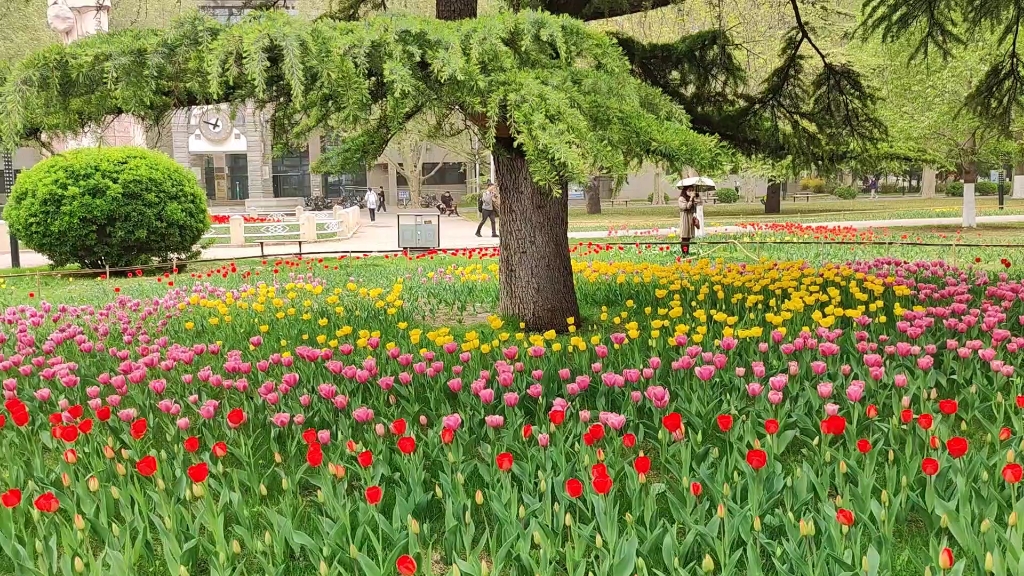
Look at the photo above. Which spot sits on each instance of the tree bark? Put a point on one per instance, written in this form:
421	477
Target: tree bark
455	9
1018	181
773	199
535	279
593	196
970	173
928	182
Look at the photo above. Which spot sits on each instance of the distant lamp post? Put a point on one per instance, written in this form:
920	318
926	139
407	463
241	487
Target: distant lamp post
8	183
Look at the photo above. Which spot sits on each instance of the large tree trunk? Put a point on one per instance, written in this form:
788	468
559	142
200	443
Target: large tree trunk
1018	181
773	199
455	9
970	169
593	196
928	182
534	273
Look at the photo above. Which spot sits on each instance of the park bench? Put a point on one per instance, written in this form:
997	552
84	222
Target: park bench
807	196
262	242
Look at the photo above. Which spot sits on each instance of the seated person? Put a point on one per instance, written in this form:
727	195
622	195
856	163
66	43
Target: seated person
447	205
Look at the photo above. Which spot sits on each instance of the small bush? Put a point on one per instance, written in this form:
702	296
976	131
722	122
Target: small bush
846	192
727	195
650	198
956	189
114	206
888	189
816	185
470	200
986	188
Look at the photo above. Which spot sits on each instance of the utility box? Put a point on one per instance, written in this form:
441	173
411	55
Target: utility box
419	231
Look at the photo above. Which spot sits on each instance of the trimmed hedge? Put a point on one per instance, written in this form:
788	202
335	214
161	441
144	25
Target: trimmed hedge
727	195
846	192
956	189
110	206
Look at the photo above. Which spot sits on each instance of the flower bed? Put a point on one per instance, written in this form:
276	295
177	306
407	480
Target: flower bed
226	219
359	416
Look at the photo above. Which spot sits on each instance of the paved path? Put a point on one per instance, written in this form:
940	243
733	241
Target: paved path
459	233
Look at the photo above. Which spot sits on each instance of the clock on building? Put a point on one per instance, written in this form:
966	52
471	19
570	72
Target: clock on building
215	125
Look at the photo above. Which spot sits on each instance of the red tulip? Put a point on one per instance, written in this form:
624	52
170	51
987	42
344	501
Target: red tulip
724	422
672	421
573	488
11	498
3	421
146	466
871	411
85	426
833	425
771	426
309	435
956	446
220	450
406	565
138	428
1012	473
198	472
947	407
365	458
629	440
314	455
527	431
69	434
844	517
398	427
373	495
407	444
76	411
642	464
191	444
1005	434
925	421
1020	401
596	431
47	502
504	461
556	416
70	456
946	559
103	414
906	416
863	446
588	439
696	489
598	469
602	484
447	435
236	417
757	459
930	466
19	416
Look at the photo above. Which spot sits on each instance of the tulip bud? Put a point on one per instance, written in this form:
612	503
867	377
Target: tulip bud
182	571
484	568
557	508
115	529
757	523
984	475
352	552
324	570
883	516
944	521
629	519
1010	456
198	491
999	397
708	565
828	457
79	565
451	457
945	559
790	516
236	547
319	495
989	563
263	489
721	510
115	493
903	482
798	473
65	479
120	469
842	466
522	512
108	452
543	487
1012	520
885	497
839	501
467	518
160	486
266	537
460	478
455	570
864	566
891	456
726	490
815	441
93	483
598	541
39	547
600	455
167	522
125	454
568	520
414	526
479	498
974	390
79	522
277	457
536	539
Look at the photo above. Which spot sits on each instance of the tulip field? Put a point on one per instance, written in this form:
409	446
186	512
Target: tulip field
857	414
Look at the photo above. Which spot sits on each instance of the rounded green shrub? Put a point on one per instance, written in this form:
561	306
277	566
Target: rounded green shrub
650	198
984	188
727	195
813	184
955	189
846	192
112	206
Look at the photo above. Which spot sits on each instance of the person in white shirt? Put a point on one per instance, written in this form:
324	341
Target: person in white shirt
371	203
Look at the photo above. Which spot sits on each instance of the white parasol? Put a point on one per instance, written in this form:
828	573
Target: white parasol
695	181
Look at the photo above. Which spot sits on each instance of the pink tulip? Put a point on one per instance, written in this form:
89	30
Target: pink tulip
925	362
486	395
535	391
584	416
741	371
854	393
43	394
564	374
825	389
654	363
379	429
705	372
281	419
601	350
542	440
754	389
494	420
831	409
636	396
900	380
452	421
362	414
455	384
775	396
819	368
323	437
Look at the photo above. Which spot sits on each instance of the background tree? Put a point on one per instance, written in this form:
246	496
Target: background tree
553	98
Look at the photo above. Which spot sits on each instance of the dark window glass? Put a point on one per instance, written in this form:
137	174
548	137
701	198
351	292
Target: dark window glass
448	173
402	181
238	176
291	175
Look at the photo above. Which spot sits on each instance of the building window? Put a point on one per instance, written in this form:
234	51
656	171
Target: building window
291	175
450	173
238	176
335	185
401	180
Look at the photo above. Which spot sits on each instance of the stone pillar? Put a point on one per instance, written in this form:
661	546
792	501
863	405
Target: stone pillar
307	227
258	155
236	229
393	184
928	182
1018	181
315	180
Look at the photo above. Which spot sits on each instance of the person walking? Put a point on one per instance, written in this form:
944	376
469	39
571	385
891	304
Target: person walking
689	200
489	203
382	200
371	203
874	187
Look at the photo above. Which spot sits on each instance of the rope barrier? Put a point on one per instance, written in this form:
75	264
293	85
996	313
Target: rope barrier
739	244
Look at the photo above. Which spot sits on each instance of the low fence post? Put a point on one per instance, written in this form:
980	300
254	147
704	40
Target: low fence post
307	228
299	211
236	230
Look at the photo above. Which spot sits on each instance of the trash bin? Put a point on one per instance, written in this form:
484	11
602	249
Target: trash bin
419	231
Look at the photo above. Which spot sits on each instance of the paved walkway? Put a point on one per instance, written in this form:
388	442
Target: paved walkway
382	235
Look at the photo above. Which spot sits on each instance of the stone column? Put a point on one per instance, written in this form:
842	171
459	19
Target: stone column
392	184
970	215
1018	181
236	230
315	180
928	182
257	155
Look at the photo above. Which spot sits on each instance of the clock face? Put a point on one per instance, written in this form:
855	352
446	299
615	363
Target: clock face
215	125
